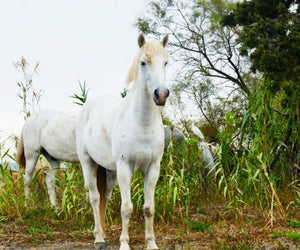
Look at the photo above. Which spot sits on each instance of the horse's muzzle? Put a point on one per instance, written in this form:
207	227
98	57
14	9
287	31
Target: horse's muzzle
160	96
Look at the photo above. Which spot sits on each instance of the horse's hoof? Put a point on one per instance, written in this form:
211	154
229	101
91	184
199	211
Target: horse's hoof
124	246
100	245
151	246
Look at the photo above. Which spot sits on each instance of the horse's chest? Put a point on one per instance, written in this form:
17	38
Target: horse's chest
139	157
138	149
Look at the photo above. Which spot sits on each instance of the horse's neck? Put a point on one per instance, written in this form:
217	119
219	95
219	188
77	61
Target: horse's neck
145	112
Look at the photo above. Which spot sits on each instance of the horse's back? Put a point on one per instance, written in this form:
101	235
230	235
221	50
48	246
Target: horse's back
53	132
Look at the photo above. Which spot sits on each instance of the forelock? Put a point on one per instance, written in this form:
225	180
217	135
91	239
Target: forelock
153	48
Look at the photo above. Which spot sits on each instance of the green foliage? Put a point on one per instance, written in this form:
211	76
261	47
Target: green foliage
81	98
180	184
198	226
295	236
11	204
74	203
270	34
37	230
294	223
124	93
255	161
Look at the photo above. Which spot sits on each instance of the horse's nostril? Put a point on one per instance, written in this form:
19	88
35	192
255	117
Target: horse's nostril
156	93
168	92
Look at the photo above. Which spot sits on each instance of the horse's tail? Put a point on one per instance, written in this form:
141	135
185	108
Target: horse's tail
101	184
20	157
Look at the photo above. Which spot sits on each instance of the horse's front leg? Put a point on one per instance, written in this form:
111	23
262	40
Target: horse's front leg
124	176
150	180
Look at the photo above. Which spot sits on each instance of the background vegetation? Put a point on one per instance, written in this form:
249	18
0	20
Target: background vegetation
253	47
239	63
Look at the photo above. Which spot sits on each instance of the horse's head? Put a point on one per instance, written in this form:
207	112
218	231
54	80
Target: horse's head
150	67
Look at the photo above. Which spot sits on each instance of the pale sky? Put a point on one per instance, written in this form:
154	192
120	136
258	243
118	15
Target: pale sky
73	40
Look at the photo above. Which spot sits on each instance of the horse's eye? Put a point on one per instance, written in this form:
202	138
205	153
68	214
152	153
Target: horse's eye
166	63
143	63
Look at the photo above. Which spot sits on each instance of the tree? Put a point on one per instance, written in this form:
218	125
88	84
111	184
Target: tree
269	33
206	51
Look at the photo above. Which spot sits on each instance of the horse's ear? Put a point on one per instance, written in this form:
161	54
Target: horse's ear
141	40
164	41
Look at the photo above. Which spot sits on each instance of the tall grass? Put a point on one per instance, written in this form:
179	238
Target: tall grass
255	161
72	194
14	207
11	204
180	183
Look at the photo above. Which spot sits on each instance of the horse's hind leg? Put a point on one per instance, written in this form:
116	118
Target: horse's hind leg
31	160
50	180
106	181
111	180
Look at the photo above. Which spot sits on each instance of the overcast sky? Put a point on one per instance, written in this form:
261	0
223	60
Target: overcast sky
73	40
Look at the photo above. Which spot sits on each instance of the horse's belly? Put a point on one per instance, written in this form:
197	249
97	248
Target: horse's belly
62	151
60	144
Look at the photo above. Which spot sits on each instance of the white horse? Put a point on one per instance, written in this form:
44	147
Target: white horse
116	137
52	134
207	149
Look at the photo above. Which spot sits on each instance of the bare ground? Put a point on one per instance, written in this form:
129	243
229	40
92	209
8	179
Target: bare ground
229	236
223	233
